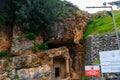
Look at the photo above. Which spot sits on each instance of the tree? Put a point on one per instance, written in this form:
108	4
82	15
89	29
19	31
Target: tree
7	16
30	15
35	14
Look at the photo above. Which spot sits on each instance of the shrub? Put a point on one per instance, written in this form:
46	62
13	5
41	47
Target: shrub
97	61
31	36
3	53
34	14
39	47
34	49
86	78
43	46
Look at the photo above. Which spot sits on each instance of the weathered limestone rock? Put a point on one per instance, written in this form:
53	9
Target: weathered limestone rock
16	32
20	43
77	48
25	61
28	65
18	62
58	58
78	35
46	60
74	75
3	76
67	32
18	46
28	59
2	66
25	64
58	51
4	42
12	74
35	73
69	29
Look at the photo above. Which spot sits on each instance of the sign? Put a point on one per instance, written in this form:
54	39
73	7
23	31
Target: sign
110	61
92	71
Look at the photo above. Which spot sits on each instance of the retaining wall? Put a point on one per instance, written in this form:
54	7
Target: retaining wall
97	43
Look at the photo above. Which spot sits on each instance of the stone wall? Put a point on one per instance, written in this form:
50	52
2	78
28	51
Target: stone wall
97	43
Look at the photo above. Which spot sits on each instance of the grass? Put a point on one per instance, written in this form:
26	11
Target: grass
97	62
102	25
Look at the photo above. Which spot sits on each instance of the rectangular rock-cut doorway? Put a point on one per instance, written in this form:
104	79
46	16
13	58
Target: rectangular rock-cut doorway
59	66
57	72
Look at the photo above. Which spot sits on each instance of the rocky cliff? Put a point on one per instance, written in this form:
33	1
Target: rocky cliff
62	60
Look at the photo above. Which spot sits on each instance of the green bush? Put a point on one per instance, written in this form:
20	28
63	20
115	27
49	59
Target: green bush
97	61
43	46
39	47
3	53
31	36
34	14
86	78
34	49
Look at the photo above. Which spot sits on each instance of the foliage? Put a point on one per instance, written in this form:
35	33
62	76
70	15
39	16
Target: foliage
101	25
3	53
64	8
86	78
43	46
31	36
17	78
39	47
2	19
35	47
41	13
7	13
97	61
7	64
30	15
34	15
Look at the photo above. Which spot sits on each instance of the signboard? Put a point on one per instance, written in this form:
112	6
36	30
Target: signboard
110	61
92	71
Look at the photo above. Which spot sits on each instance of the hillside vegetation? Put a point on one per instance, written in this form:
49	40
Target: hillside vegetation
34	15
102	24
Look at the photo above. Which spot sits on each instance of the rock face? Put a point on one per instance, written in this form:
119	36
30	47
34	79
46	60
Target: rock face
19	46
4	42
20	43
41	72
37	66
69	29
35	73
61	61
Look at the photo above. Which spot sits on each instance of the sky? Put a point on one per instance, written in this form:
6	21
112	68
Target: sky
82	4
